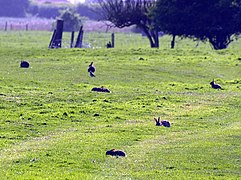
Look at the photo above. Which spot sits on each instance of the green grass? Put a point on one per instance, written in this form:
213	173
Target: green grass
52	126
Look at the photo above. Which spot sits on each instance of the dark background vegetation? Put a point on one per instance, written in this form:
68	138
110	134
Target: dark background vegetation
52	10
23	8
14	8
215	21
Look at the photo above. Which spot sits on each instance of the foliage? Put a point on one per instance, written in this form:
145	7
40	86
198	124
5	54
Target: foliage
215	20
72	20
47	10
44	11
52	10
13	8
53	126
88	11
128	13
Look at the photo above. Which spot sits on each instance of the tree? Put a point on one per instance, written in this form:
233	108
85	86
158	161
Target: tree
88	10
72	20
131	12
13	8
217	21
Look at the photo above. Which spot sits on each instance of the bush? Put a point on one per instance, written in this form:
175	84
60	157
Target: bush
72	21
46	10
49	10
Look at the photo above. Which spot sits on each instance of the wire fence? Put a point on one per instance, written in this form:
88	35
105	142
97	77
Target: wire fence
100	40
26	24
96	34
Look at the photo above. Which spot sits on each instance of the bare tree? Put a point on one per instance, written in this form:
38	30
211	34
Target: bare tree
125	13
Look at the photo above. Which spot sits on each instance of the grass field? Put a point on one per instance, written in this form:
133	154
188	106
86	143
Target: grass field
52	126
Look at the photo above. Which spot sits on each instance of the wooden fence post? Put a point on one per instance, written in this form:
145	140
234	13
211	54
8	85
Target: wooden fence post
72	39
112	40
79	40
6	26
56	41
52	39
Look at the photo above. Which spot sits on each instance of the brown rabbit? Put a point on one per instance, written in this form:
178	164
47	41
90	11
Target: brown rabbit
116	153
101	89
215	86
24	64
91	69
164	123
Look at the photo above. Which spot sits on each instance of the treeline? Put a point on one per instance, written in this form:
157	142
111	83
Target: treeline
13	8
52	10
23	8
215	21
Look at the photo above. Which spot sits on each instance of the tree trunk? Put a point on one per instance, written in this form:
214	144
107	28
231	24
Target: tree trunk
173	41
219	42
152	36
155	38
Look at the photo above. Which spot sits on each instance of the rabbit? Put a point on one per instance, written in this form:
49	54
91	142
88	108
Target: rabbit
101	89
91	69
116	153
24	64
215	86
164	123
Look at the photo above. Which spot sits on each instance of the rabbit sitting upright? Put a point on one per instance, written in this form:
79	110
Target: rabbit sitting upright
215	86
164	123
91	69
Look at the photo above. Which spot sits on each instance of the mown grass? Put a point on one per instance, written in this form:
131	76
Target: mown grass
53	127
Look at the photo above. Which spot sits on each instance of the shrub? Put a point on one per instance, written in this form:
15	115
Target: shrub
72	21
46	10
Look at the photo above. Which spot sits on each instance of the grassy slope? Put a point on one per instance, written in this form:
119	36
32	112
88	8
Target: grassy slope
52	125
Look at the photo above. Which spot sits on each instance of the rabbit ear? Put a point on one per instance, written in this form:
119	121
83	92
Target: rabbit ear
155	119
158	119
